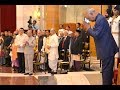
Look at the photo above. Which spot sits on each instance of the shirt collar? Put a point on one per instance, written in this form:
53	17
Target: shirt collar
21	35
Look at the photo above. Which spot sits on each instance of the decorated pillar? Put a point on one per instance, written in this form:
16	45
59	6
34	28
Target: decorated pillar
51	17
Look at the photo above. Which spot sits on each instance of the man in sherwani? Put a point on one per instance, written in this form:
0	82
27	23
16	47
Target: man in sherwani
76	50
45	49
53	51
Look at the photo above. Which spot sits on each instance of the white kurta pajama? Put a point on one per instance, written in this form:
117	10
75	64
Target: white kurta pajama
53	52
115	32
29	55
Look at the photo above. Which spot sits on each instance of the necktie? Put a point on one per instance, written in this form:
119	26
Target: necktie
75	39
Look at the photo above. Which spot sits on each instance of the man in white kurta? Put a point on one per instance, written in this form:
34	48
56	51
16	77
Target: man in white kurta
29	53
19	42
53	51
115	28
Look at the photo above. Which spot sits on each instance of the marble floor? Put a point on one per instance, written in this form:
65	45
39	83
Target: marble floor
72	78
9	77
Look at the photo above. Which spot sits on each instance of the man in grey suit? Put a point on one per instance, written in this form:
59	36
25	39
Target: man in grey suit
29	53
106	46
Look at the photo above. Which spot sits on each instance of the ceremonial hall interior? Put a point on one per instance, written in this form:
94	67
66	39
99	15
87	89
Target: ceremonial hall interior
42	20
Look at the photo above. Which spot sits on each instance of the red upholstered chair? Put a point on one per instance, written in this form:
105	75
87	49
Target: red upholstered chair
118	75
115	76
116	72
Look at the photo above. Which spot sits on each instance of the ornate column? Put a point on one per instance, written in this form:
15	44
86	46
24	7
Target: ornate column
19	16
51	17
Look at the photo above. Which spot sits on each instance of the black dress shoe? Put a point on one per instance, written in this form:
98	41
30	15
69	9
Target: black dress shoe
49	71
30	74
53	72
19	71
63	72
23	72
26	73
8	65
41	69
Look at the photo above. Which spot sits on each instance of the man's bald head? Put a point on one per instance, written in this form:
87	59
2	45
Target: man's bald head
52	31
90	14
65	33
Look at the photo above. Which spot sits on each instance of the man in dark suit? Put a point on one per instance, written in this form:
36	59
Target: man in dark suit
76	50
7	40
85	37
61	38
83	34
65	45
40	41
105	44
